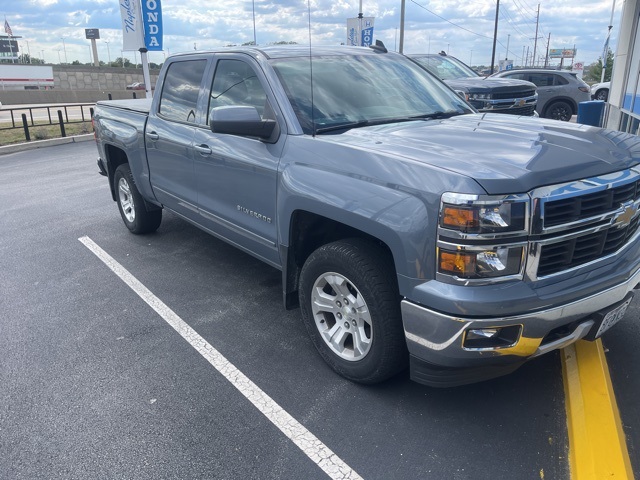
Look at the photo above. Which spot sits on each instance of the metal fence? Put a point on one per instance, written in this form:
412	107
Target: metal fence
43	115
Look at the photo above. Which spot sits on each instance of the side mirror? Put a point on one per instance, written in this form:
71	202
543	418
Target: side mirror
462	94
243	121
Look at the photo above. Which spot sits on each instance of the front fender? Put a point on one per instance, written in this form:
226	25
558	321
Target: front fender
397	218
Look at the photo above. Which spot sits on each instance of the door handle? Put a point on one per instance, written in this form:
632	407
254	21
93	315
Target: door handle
152	135
203	149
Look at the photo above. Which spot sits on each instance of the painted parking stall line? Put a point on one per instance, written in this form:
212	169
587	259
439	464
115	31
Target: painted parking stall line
310	445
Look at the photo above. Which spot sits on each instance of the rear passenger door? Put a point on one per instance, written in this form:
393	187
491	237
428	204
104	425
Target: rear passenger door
237	175
169	136
545	83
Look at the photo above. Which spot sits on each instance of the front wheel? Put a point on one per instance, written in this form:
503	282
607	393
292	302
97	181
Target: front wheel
559	111
351	307
131	204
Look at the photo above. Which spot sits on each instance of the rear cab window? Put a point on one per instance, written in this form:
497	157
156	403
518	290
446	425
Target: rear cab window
180	90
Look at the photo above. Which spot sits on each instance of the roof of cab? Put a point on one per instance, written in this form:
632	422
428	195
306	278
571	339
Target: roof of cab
288	51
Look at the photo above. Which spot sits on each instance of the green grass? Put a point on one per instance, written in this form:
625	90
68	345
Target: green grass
42	132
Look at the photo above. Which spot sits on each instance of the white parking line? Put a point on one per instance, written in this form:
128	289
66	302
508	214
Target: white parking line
310	445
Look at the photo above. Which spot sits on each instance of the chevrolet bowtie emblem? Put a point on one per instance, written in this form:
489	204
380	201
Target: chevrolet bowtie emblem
624	218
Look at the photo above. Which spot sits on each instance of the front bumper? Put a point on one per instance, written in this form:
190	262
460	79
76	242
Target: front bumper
435	339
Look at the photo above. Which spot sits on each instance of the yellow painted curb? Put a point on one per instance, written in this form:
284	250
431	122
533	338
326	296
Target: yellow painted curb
597	445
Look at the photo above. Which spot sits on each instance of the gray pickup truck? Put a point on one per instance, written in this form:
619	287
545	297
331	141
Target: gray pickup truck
410	229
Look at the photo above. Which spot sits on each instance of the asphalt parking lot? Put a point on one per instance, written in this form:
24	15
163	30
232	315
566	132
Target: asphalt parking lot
95	383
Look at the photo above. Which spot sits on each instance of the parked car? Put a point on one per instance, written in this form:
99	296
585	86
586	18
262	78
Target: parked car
600	91
515	97
136	86
559	91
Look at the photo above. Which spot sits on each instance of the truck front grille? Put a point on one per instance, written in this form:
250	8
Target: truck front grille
513	95
581	222
577	208
567	254
526	110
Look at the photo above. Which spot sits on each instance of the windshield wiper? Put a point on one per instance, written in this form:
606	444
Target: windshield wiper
344	126
381	121
438	115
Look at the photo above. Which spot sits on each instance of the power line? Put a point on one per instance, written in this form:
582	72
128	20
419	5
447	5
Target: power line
449	21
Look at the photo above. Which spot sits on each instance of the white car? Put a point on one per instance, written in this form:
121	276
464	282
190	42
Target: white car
600	91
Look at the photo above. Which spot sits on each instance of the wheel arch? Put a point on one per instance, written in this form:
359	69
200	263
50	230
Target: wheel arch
115	156
309	228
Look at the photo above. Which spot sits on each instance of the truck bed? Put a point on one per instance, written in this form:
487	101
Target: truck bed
141	105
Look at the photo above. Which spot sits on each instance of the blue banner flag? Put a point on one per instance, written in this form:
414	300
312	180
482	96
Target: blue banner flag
152	19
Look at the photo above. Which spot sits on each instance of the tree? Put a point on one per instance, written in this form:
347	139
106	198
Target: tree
118	62
595	69
26	58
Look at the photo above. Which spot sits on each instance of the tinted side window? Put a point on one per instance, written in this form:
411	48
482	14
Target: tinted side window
541	79
236	84
180	90
560	80
515	76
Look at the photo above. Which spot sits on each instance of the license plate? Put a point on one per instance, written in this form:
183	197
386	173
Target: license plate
612	317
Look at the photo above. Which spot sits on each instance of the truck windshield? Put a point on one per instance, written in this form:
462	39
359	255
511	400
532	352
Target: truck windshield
446	68
358	90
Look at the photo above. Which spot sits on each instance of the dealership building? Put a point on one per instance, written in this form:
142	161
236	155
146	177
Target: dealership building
623	112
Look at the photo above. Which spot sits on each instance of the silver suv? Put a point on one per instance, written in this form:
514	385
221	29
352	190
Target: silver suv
559	91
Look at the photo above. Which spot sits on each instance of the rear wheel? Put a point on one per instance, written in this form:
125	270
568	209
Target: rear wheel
602	94
351	308
131	205
559	110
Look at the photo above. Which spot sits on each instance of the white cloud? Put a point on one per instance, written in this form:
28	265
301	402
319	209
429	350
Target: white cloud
209	24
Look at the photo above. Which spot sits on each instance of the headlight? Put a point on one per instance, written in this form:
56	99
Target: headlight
479	96
485	263
503	217
482	238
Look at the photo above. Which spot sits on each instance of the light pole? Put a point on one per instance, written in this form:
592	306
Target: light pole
122	58
64	46
108	52
59	61
42	55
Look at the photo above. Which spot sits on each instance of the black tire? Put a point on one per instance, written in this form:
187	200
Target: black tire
132	208
559	110
602	94
370	280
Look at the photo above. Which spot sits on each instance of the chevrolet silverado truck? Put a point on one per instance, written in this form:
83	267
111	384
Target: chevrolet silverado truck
486	94
411	230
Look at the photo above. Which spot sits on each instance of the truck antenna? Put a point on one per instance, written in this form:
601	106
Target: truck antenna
313	120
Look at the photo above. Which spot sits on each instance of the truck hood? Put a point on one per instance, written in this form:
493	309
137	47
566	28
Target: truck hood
490	85
503	153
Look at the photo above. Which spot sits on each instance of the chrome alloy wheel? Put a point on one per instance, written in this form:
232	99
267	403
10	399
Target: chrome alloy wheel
342	316
126	200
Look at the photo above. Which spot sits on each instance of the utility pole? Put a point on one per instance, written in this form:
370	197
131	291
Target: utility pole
522	64
535	42
400	50
546	57
495	37
605	51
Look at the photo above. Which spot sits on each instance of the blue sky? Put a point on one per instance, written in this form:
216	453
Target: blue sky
464	28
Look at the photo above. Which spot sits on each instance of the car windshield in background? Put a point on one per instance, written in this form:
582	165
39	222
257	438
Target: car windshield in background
353	91
445	68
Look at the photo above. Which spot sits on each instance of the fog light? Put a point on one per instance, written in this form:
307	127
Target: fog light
491	338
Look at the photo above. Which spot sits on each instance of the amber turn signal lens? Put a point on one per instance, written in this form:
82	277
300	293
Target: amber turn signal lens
460	218
458	263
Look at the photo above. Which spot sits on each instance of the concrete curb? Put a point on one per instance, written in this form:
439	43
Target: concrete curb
21	147
597	442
